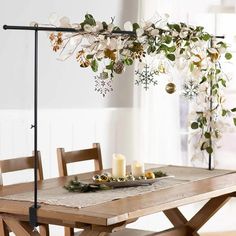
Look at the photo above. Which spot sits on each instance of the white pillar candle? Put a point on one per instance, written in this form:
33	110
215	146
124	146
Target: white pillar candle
137	169
118	166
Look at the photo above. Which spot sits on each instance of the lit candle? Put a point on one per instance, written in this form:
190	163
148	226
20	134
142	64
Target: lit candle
118	166
137	169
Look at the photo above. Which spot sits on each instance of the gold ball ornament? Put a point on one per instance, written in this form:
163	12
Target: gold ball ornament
170	88
150	175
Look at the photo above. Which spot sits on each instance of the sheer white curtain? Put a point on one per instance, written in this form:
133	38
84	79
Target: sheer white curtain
156	114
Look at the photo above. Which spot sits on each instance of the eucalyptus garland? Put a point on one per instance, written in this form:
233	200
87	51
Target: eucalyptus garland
189	49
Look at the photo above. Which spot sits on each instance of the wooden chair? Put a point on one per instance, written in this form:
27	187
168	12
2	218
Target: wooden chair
65	158
16	164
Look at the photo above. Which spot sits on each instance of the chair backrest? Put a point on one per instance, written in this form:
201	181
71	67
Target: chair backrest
65	158
21	163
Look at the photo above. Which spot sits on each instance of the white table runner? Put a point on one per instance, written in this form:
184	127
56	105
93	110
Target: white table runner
60	196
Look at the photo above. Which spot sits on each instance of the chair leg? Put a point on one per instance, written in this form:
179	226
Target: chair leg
3	228
69	231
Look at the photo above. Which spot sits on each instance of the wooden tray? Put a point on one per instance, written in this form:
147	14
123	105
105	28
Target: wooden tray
132	183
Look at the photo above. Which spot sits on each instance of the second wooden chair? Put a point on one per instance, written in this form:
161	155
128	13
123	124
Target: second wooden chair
16	164
65	158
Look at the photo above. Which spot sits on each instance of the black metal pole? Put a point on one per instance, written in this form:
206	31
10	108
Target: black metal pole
211	106
60	29
36	110
33	209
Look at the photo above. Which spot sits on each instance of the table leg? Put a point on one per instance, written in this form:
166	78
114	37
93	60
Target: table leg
3	228
175	217
198	220
44	230
207	211
20	228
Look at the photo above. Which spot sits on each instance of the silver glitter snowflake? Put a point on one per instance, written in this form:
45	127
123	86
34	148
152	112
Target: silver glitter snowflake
103	84
190	89
146	77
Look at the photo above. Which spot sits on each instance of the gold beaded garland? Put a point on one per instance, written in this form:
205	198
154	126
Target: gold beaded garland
170	88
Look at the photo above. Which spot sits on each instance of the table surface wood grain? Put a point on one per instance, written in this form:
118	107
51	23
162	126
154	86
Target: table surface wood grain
118	211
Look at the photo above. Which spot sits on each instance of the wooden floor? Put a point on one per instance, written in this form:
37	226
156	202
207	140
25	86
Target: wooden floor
219	234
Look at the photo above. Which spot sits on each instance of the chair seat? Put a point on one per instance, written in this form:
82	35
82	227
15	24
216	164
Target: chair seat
126	232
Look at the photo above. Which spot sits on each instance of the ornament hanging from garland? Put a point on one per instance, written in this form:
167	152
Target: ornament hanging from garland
190	89
118	67
103	83
146	77
170	88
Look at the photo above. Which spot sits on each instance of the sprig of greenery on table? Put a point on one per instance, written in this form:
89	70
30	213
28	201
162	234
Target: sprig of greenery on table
76	186
159	174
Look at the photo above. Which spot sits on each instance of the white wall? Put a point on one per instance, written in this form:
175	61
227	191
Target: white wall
72	129
61	84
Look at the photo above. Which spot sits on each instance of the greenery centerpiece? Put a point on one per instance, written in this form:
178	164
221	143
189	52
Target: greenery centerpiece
105	181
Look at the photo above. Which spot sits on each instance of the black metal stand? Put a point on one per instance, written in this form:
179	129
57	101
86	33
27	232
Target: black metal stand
211	106
33	209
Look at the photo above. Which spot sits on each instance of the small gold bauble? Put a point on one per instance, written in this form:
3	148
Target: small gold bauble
170	88
150	175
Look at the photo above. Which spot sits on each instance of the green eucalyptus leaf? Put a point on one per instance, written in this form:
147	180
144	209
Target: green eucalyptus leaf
223	82
135	26
224	112
234	121
187	44
110	66
194	39
194	125
214	92
88	16
222	44
163	47
89	20
233	109
204	79
116	28
104	24
171	57
228	55
174	26
151	49
94	65
205	37
128	61
199	28
89	56
171	49
191	67
215	86
209	150
182	50
203	146
207	135
167	39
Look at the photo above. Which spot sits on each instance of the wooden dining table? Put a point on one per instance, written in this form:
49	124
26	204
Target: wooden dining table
112	217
